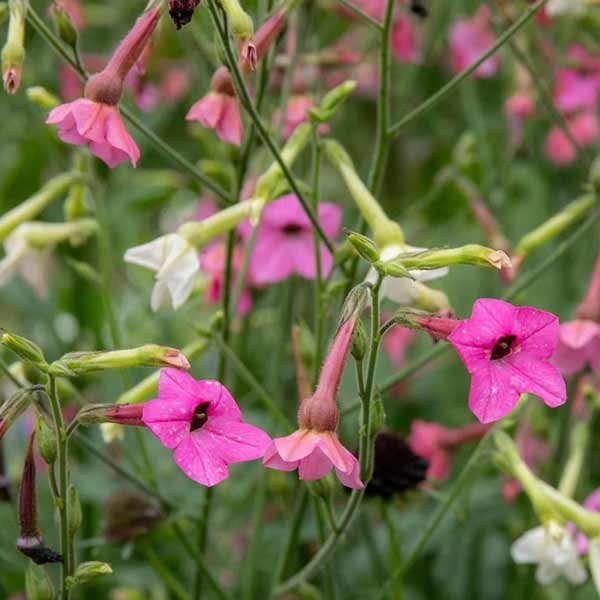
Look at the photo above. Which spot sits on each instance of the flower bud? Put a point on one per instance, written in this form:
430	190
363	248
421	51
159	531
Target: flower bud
129	514
331	102
23	348
182	11
45	440
42	97
38	586
122	414
75	515
64	26
366	248
471	254
393	269
439	328
88	571
12	409
13	53
359	341
355	303
150	355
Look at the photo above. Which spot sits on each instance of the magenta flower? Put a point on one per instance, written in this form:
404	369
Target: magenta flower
314	449
584	129
219	109
404	41
95	120
437	444
202	424
469	39
284	244
507	351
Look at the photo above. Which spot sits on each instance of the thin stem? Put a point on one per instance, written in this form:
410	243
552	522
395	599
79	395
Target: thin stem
393	548
48	35
426	106
362	14
158	565
246	101
63	486
328	580
202	538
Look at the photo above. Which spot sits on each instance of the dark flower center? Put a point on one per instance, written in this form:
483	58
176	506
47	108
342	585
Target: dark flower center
292	229
503	346
199	417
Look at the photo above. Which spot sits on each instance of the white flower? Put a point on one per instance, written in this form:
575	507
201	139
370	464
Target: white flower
556	8
553	549
176	264
24	259
402	290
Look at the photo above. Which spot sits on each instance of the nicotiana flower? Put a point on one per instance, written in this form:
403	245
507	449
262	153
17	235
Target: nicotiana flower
405	41
553	549
176	264
469	39
583	128
201	422
579	341
314	449
507	351
95	120
284	243
437	443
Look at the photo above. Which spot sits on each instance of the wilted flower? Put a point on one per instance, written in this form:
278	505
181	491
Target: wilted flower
507	351
176	264
314	449
201	422
182	11
129	514
284	244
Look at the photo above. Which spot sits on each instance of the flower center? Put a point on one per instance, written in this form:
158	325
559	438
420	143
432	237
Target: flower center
292	229
503	346
199	417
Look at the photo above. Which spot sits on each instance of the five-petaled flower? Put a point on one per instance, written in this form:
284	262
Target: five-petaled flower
201	422
507	351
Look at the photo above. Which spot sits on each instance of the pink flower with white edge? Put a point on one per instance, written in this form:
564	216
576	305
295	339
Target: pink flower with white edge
579	341
201	422
95	120
284	243
507	350
469	39
404	41
314	449
219	109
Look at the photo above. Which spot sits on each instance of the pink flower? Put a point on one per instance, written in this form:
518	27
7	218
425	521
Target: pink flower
212	262
296	113
284	244
469	39
519	105
396	342
374	8
219	109
314	449
97	125
202	424
575	90
437	444
507	351
95	120
404	41
583	128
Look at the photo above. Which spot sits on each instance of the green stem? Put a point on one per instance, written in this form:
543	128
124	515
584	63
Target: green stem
433	100
202	538
328	578
158	565
45	32
63	486
394	548
362	14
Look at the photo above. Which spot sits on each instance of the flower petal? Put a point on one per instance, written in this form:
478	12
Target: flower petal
234	440
314	466
273	460
298	445
529	548
527	374
201	463
491	395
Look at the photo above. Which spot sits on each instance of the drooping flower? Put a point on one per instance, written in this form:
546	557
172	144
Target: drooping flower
469	39
584	129
176	264
507	351
579	341
95	120
553	549
219	109
201	422
284	243
404	41
437	443
314	449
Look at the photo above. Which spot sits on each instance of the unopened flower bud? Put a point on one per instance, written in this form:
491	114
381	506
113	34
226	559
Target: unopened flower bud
38	586
439	328
42	97
23	348
75	514
87	571
150	355
241	25
64	26
122	414
365	247
393	269
12	409
45	440
13	53
129	514
332	101
182	11
359	341
471	254
30	542
355	303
